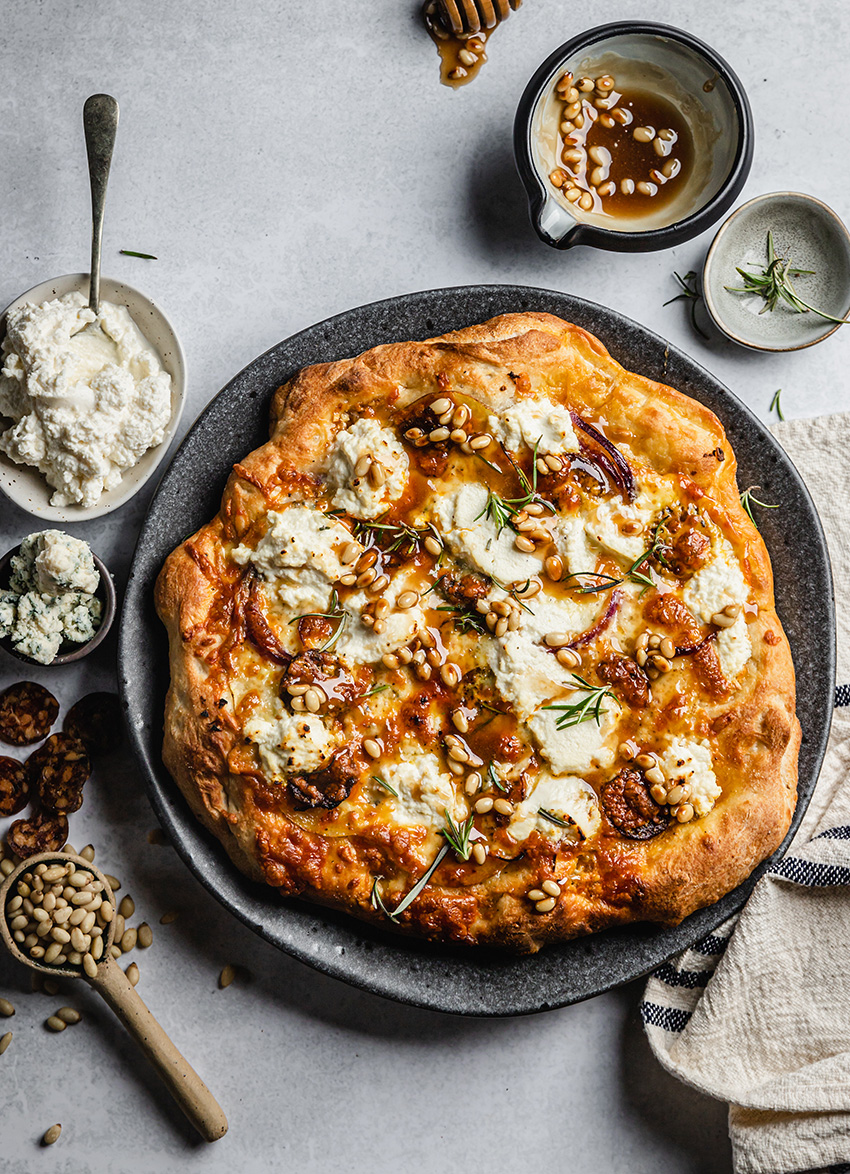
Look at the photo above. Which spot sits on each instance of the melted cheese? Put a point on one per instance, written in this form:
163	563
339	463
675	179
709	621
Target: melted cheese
355	494
359	644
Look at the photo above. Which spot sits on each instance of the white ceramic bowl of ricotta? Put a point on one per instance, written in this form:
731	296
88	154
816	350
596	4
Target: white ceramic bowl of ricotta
24	484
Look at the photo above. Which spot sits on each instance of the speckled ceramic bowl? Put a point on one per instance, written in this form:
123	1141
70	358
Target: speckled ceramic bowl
805	230
69	652
23	483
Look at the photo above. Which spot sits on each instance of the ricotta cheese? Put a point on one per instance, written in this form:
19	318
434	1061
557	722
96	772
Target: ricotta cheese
718	584
573	544
529	677
355	494
689	764
85	407
734	648
299	556
531	421
293	741
475	538
576	749
604	529
361	645
565	796
425	790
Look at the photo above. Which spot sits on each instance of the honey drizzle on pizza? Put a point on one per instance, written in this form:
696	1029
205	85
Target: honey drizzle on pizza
472	625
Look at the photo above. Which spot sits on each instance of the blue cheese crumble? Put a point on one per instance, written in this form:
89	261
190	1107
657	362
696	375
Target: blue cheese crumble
51	598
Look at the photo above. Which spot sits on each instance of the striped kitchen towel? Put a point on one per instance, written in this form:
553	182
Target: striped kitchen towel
758	1013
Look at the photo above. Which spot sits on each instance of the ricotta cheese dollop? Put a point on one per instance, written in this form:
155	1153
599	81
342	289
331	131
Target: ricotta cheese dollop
539	422
362	494
85	406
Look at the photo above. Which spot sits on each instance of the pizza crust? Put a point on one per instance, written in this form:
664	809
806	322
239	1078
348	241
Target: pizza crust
608	880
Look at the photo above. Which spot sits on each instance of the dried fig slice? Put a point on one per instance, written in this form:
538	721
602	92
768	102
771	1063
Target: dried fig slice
324	788
630	807
27	711
14	786
43	832
95	720
57	772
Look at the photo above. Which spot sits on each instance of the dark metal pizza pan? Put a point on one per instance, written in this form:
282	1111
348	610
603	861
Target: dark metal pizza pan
462	981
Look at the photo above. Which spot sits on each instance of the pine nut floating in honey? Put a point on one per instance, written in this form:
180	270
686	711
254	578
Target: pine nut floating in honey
626	152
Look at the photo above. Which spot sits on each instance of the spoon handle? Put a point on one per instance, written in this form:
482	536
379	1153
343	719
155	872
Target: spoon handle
183	1082
100	123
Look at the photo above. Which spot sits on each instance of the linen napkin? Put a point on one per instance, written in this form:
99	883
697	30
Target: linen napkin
758	1013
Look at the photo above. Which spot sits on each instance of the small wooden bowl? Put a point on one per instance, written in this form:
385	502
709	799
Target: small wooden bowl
105	593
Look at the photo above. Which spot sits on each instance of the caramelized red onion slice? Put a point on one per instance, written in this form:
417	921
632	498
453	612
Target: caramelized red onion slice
690	649
258	630
601	624
621	472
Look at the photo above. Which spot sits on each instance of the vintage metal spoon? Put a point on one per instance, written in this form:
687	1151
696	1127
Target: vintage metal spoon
112	984
100	124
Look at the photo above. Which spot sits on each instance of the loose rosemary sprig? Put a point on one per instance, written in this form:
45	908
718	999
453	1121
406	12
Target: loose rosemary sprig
748	501
133	253
394	914
383	783
773	284
692	296
501	511
336	612
457	835
465	621
400	533
634	574
555	819
494	778
589	708
776	406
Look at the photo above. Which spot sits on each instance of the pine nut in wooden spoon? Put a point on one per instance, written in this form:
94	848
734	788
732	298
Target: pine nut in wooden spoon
107	978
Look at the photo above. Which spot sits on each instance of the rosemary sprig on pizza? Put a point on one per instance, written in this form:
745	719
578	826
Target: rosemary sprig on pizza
482	646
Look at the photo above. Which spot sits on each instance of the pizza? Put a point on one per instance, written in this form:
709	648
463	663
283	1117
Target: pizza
482	646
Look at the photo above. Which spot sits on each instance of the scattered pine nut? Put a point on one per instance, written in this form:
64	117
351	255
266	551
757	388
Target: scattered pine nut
144	935
169	917
68	1015
128	940
127	907
227	976
132	973
54	1023
89	965
5	1040
51	1135
88	853
113	882
6	1008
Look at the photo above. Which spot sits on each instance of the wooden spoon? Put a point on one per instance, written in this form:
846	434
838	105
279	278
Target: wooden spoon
112	984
